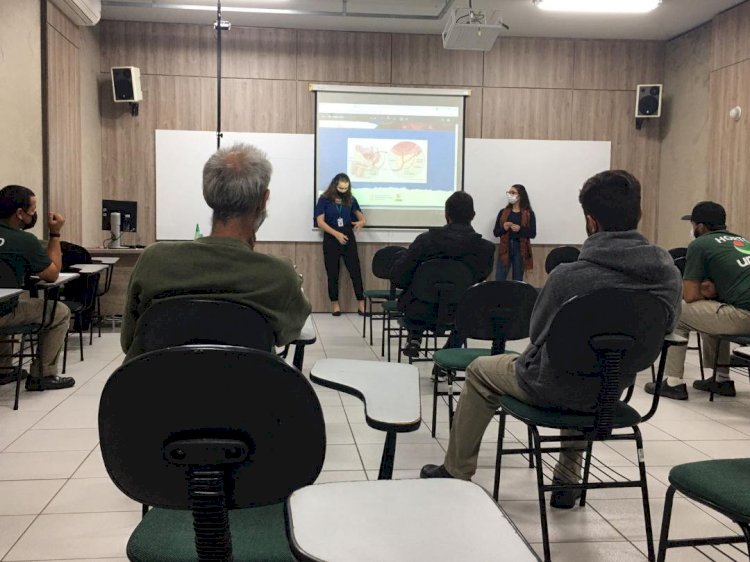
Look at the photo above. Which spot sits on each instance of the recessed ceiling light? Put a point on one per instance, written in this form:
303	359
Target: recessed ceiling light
599	6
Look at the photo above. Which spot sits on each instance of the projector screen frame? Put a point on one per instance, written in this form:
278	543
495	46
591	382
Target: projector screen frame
463	93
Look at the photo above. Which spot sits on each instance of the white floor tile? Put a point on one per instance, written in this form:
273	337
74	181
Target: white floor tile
40	440
93	466
11	528
27	497
342	457
36	466
91	495
85	535
593	552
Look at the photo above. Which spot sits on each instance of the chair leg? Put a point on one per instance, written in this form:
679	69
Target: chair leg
644	494
91	330
372	312
364	320
531	457
665	524
18	374
653	373
99	317
451	374
499	455
700	354
540	489
65	353
716	362
434	405
386	318
586	472
80	333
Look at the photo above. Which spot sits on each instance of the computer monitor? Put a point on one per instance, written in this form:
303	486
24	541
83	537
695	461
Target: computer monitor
128	214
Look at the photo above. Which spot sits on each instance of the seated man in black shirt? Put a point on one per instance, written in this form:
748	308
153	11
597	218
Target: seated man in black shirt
456	240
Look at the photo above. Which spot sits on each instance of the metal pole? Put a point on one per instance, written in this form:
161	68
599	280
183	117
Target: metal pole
218	74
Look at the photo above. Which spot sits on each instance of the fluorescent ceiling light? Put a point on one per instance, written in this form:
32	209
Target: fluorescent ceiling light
599	6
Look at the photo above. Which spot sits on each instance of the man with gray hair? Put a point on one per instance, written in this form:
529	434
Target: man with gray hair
223	265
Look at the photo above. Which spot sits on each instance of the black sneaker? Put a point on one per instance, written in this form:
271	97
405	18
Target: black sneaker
678	392
722	388
434	471
10	377
411	349
49	383
564	499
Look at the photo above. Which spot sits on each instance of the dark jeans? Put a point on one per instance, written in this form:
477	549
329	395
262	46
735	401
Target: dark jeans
333	251
514	262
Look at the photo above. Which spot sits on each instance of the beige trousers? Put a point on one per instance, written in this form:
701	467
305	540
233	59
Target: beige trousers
29	311
709	318
487	379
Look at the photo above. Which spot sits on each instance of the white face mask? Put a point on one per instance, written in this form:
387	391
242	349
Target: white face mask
512	199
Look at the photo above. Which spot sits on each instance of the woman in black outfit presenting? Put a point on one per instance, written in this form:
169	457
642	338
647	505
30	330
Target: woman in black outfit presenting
515	226
338	215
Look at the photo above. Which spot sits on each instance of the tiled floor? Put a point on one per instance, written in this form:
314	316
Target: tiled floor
57	503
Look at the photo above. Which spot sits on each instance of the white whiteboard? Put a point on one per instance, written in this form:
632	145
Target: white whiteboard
552	171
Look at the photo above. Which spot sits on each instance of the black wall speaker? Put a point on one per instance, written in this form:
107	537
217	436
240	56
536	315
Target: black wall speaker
648	101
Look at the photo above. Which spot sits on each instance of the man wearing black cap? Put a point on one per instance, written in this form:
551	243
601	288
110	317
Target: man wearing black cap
716	294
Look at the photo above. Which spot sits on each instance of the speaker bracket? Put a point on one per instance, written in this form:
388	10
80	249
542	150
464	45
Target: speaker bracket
134	106
639	122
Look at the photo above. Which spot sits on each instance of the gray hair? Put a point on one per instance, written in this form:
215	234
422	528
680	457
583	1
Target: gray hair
235	180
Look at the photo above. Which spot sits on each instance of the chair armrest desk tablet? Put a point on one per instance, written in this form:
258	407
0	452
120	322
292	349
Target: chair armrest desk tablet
390	393
396	521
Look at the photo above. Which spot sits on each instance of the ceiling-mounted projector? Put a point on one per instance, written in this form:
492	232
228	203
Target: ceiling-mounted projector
472	30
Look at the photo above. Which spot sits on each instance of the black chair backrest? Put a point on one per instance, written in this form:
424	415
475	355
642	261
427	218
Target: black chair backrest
563	254
496	310
677	253
607	334
210	428
73	254
441	282
382	261
8	278
202	321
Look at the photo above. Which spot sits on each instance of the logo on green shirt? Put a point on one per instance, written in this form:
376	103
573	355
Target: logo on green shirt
742	246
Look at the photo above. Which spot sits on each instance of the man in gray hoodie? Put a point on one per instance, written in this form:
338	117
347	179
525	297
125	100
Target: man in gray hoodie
614	256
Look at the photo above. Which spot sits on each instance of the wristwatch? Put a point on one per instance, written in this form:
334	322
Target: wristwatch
54	235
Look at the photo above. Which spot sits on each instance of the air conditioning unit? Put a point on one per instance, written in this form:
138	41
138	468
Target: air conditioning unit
472	30
81	12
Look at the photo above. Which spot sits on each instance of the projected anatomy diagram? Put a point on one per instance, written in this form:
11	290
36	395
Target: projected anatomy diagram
387	160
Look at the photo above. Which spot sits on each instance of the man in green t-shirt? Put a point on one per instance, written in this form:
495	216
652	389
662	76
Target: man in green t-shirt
716	293
22	255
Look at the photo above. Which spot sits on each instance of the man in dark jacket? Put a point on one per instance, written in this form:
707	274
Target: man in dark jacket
456	240
614	256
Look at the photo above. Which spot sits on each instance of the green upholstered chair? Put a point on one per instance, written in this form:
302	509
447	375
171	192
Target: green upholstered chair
382	262
722	485
438	283
495	311
600	340
215	438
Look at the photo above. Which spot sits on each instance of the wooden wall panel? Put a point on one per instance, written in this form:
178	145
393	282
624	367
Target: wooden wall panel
729	145
731	36
342	56
251	52
519	113
261	106
473	114
64	132
58	20
617	65
159	48
605	115
421	59
526	62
